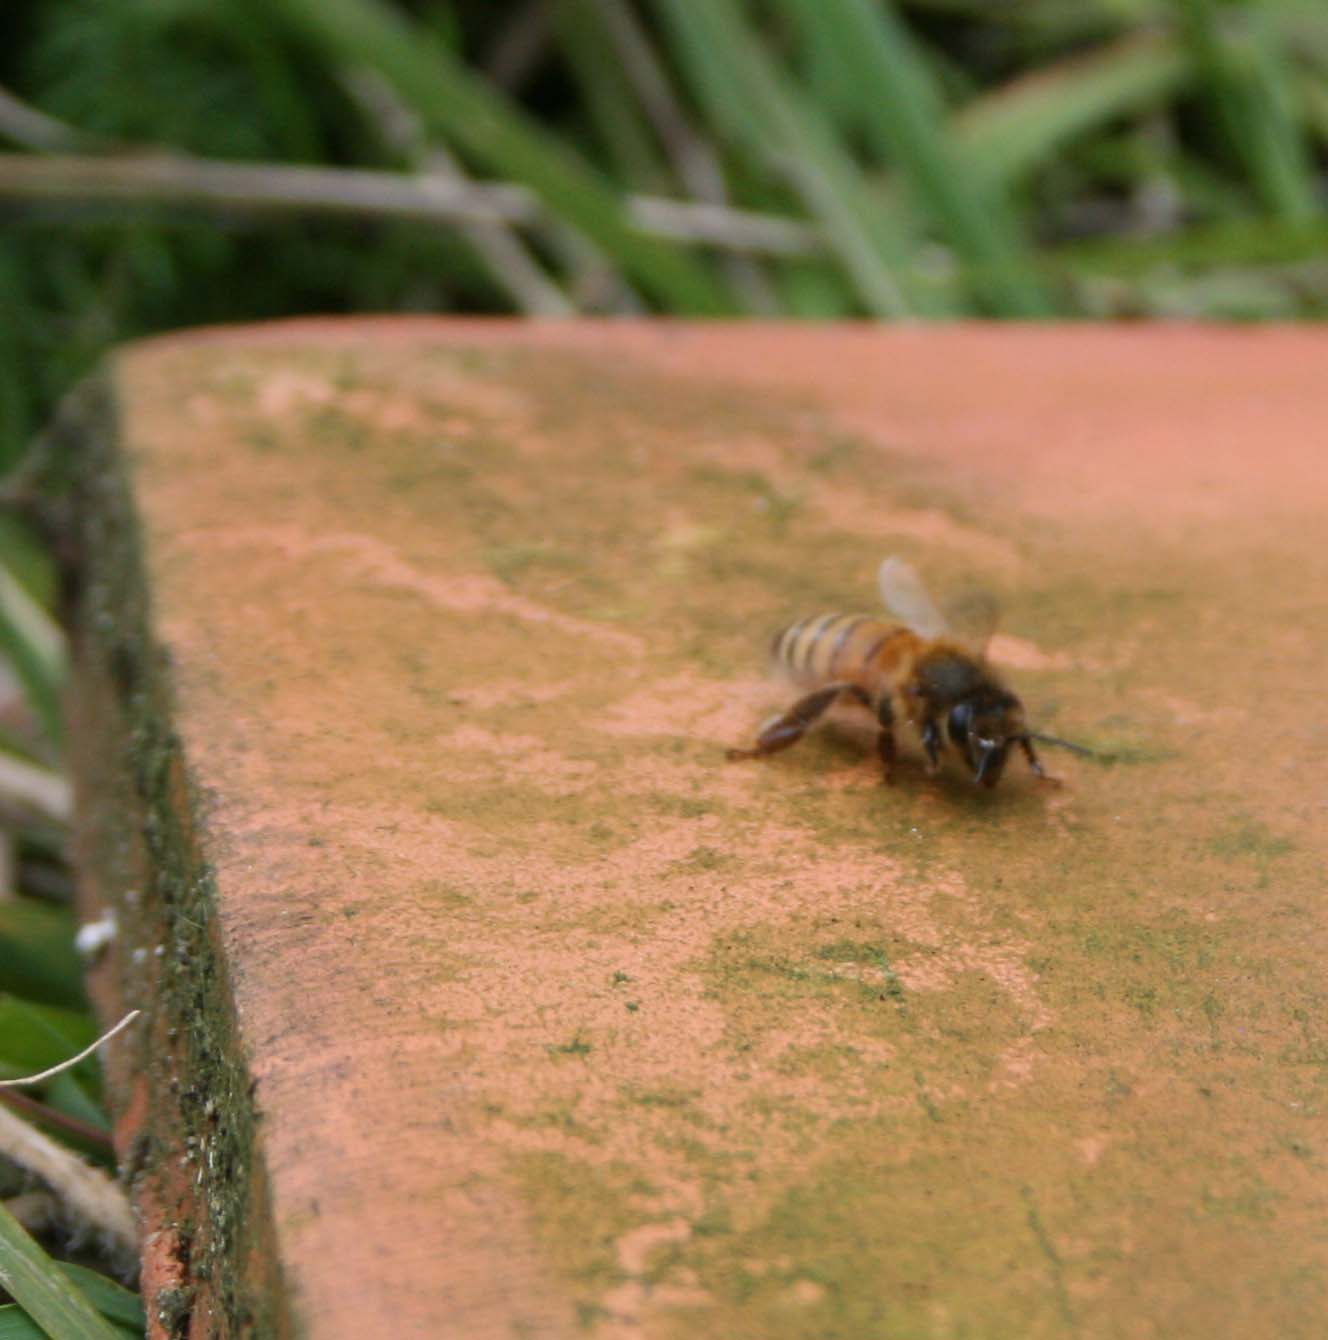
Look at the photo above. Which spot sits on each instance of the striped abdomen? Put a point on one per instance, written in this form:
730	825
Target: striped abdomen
850	647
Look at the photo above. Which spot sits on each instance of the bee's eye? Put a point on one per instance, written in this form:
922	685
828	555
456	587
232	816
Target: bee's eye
961	718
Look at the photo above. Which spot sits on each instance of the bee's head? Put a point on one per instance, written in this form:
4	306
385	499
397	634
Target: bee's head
982	728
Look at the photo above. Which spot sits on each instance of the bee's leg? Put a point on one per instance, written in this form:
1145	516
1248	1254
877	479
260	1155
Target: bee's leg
885	741
1031	755
1035	763
786	730
931	742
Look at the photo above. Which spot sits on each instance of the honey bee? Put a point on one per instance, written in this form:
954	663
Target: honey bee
920	672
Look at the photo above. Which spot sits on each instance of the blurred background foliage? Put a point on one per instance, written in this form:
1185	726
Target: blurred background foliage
166	163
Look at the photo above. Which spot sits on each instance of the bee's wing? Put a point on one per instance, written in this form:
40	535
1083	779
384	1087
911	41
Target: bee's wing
972	616
907	598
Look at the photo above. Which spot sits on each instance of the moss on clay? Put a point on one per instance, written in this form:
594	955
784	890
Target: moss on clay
196	1162
1250	838
582	1209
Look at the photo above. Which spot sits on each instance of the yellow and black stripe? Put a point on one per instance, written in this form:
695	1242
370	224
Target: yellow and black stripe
828	647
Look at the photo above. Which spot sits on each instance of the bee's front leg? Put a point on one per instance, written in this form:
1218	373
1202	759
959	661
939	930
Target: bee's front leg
931	744
885	742
1035	763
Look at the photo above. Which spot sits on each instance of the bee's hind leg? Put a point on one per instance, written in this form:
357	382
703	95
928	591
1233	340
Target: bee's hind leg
788	728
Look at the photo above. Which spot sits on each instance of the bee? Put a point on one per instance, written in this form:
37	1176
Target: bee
918	672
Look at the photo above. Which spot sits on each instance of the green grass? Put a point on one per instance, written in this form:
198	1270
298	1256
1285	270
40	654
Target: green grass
44	1013
51	1301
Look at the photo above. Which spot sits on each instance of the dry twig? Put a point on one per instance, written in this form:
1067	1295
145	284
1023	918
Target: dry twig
172	179
86	1192
693	158
73	1060
511	265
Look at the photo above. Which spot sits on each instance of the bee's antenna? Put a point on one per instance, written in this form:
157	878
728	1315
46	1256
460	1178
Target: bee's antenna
1066	744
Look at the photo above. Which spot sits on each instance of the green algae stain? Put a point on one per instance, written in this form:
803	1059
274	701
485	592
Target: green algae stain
841	455
1253	1201
674	1099
864	1248
1249	838
757	963
581	1210
517	805
334	429
748	492
701	859
578	1046
851	951
512	561
676	806
1108	749
1247	841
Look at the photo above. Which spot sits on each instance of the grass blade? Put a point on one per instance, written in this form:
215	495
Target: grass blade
30	790
43	1290
697	166
1002	135
15	1324
902	111
37	956
751	102
33	1037
607	96
1232	244
459	106
112	1300
1239	58
35	648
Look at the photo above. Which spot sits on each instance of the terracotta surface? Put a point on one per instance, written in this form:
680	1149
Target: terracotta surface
557	1024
